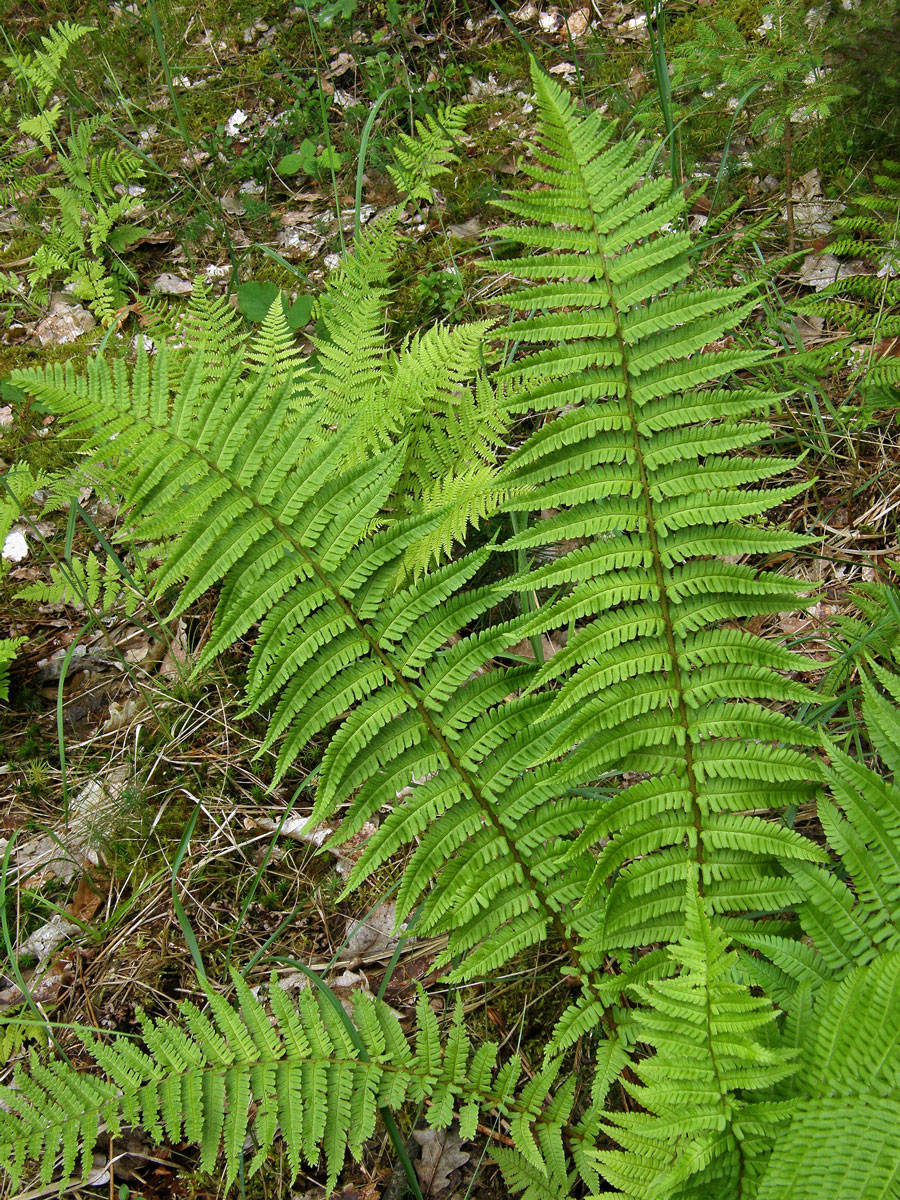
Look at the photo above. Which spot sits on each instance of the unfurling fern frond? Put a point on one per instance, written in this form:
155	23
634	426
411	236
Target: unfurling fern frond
714	1047
305	1073
422	158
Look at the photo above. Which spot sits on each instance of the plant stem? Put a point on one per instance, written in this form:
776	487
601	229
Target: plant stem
789	182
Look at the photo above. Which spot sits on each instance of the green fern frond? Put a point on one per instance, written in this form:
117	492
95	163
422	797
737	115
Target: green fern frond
466	499
710	1036
844	1137
42	126
642	471
9	647
427	154
39	69
209	325
350	349
855	916
871	631
255	501
304	1072
304	536
85	583
274	349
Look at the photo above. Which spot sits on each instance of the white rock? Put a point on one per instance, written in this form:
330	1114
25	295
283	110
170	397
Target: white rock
45	940
172	285
633	25
64	323
234	122
15	548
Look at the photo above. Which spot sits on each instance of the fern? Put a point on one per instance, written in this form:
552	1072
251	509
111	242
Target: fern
737	1107
92	583
863	306
872	630
88	231
39	69
639	468
280	485
851	920
305	1073
698	1135
640	474
843	1140
426	155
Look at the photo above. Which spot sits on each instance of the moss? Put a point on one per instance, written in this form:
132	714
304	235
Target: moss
507	59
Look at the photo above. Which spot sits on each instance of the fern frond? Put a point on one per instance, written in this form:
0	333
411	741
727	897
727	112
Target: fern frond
302	533
209	325
40	69
424	156
304	1072
350	349
9	647
844	1137
466	499
642	468
88	583
274	349
710	1037
851	920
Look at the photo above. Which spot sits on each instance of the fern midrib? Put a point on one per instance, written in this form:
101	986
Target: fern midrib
501	1101
531	881
675	674
723	1090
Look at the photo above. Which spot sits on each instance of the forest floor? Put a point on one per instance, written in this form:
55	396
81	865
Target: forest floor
144	828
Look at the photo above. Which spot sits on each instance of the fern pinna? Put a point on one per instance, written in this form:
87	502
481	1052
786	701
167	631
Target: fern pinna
641	466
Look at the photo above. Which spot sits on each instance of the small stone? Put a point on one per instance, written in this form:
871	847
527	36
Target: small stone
172	285
233	205
234	122
64	323
579	23
15	547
